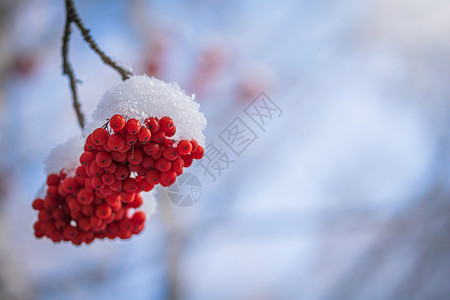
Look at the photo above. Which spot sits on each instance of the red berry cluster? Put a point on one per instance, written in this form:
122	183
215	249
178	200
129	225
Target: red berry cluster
116	165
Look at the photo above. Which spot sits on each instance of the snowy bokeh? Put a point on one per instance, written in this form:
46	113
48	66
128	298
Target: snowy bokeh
345	195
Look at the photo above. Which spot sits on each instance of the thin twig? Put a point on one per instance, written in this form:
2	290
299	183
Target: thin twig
67	68
88	38
73	17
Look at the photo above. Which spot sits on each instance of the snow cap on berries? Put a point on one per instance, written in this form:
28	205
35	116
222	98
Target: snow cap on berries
141	97
64	157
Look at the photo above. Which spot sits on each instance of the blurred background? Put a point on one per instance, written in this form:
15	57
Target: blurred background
343	195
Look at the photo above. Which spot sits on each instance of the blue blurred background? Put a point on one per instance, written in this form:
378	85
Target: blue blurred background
345	195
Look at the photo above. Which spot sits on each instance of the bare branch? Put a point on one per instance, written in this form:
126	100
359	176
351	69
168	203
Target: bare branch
67	68
73	17
88	38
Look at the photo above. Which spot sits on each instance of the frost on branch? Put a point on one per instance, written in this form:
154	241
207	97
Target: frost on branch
141	96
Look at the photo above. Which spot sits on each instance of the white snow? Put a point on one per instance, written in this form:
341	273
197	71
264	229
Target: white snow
142	96
65	156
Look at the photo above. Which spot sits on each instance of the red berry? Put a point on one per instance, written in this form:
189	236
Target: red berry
136	203
118	156
133	126
52	191
69	232
125	148
144	135
127	197
199	153
103	159
89	145
58	214
88	210
153	176
111	168
108	179
85	196
145	186
112	200
171	132
135	156
177	164
130	139
188	159
117	122
170	154
148	162
99	136
153	124
184	147
47	227
130	185
80	173
116	142
60	224
194	146
125	225
70	185
159	137
103	211
95	221
151	148
86	158
44	215
165	124
138	217
52	179
163	165
50	203
95	169
38	204
74	205
84	224
116	186
122	172
97	182
167	178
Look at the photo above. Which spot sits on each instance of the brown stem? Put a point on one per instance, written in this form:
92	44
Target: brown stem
73	17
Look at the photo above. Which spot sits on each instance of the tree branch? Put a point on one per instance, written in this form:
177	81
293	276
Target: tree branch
73	17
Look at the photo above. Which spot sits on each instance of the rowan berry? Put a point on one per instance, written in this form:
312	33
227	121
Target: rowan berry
148	162
70	185
103	159
103	211
184	147
167	178
145	186
163	165
125	148
130	139
108	179
194	146
177	164
117	122
111	168
133	126
88	210
52	191
47	227
112	200
85	196
127	197
95	169
199	153
151	148
153	124
86	158
144	135
130	185
171	132
138	217
44	215
188	159
38	204
97	182
118	156
99	136
125	225
69	232
95	221
135	156
60	224
116	186
122	172
165	123
159	137
52	179
153	176
170	154
116	142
